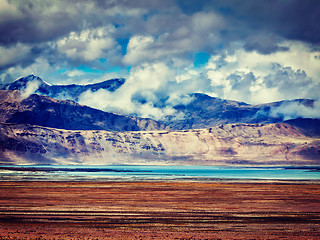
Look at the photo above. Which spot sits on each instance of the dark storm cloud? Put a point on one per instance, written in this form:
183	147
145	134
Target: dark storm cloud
264	44
262	25
241	82
170	29
28	27
31	23
291	19
36	21
27	30
290	82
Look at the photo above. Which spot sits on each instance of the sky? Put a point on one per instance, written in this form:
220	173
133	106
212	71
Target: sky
244	50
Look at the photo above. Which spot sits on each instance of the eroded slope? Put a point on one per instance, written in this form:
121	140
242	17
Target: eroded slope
270	144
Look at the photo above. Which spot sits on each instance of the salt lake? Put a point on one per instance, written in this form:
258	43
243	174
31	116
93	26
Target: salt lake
148	172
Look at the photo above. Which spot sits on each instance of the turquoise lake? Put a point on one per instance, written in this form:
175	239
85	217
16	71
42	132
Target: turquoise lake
140	173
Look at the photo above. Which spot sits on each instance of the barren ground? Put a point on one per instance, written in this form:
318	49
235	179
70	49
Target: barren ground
159	210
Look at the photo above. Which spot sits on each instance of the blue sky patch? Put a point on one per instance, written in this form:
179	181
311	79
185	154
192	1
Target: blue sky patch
201	58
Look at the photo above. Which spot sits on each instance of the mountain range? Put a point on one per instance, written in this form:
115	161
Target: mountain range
205	111
71	92
202	112
38	128
65	114
231	144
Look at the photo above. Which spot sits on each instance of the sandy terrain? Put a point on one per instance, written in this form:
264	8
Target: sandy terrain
159	210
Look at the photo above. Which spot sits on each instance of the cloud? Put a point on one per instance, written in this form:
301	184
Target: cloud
138	95
41	25
151	90
289	82
176	36
203	22
138	49
74	73
293	110
40	67
31	88
291	20
264	44
35	21
14	55
257	78
8	11
261	50
87	45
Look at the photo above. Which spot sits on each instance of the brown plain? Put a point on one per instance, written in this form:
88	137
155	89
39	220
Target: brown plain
159	210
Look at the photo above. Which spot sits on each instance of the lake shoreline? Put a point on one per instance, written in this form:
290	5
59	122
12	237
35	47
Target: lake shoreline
138	173
179	180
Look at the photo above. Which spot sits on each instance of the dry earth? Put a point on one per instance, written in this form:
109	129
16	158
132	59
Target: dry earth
159	210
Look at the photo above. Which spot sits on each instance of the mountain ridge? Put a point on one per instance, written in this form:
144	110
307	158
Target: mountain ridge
201	112
37	129
72	91
65	114
279	144
205	111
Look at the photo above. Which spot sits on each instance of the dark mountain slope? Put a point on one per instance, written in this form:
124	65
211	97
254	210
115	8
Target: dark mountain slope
309	127
205	111
48	112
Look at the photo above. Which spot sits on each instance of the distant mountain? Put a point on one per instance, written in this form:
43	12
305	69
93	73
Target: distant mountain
205	111
71	92
45	111
42	130
308	127
230	144
202	112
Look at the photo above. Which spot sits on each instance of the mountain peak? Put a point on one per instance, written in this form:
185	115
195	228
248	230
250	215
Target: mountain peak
22	83
29	78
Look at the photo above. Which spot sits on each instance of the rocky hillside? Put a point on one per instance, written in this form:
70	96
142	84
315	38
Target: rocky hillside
48	112
205	111
71	92
239	144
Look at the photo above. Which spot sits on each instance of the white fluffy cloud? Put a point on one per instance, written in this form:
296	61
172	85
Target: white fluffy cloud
257	78
31	88
137	96
294	110
74	73
151	90
139	49
87	45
